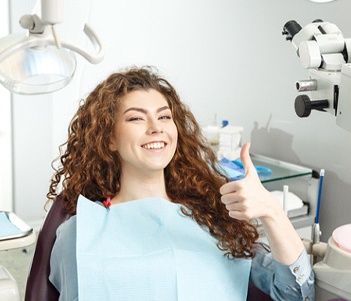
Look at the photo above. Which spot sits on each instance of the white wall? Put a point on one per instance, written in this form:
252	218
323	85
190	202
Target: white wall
226	56
6	203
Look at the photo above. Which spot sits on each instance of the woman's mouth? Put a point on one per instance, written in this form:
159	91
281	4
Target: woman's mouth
154	145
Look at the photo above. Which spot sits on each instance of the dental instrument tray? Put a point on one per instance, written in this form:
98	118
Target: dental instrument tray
12	227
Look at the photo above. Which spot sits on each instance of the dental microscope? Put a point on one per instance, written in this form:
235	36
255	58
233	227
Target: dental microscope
326	54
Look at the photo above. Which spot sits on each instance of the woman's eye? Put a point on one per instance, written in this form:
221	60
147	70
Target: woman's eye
135	119
166	117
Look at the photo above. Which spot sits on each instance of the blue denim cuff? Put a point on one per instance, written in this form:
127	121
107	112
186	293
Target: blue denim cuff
297	272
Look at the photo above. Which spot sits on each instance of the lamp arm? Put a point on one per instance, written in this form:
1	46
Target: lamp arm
94	39
41	40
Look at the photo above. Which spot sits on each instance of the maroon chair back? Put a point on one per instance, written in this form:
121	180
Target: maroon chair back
39	288
254	294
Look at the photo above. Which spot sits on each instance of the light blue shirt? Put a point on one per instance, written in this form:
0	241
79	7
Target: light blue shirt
282	282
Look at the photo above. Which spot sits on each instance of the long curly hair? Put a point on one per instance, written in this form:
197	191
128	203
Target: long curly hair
89	167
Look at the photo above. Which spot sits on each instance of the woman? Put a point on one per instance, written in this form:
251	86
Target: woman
136	149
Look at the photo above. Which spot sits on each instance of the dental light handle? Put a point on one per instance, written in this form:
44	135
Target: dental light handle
94	39
45	40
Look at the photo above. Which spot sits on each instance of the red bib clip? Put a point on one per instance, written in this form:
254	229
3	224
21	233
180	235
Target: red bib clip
107	202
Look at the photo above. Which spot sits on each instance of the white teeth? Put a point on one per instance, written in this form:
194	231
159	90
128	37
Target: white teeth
155	145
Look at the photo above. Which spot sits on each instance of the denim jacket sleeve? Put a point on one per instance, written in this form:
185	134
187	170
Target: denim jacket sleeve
283	282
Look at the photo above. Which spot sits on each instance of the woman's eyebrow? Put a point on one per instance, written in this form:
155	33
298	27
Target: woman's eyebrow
163	109
144	111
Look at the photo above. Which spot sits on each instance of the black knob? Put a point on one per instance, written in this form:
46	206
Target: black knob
290	29
304	106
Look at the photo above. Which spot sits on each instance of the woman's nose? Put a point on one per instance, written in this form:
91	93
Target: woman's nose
154	127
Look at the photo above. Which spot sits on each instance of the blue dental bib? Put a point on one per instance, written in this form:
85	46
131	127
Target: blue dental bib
149	250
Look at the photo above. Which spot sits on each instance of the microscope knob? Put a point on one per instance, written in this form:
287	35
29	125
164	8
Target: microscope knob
304	106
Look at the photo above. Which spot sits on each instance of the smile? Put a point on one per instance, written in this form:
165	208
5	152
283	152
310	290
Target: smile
154	145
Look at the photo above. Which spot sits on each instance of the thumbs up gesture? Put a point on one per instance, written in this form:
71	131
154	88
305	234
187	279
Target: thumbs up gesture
248	198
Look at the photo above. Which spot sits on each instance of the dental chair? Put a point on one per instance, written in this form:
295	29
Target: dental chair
39	288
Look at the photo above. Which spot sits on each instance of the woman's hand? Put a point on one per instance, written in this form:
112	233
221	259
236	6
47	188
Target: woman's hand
248	198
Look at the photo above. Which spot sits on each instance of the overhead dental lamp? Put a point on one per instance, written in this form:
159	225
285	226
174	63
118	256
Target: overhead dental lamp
326	54
37	62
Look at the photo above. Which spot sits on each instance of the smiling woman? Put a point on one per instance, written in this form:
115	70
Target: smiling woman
152	215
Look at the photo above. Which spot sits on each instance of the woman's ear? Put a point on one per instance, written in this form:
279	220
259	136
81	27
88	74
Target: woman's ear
113	145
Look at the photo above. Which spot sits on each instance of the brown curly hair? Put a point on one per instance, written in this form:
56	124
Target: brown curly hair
90	168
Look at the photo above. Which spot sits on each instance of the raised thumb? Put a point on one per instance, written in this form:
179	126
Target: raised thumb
246	159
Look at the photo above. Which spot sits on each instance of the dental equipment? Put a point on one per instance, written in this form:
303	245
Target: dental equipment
333	272
326	54
316	232
39	62
14	233
36	62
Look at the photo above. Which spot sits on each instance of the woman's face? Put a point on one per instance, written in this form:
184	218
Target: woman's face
145	135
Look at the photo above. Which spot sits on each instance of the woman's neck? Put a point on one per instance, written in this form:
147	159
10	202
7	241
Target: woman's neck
140	186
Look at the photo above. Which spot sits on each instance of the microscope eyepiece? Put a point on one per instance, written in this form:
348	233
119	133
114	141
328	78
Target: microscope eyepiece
290	29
